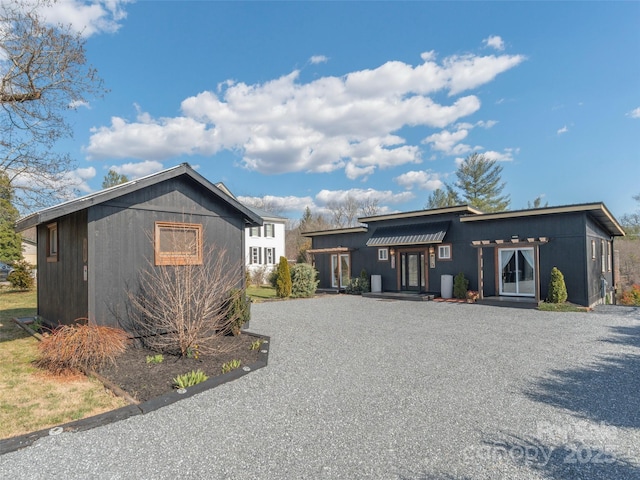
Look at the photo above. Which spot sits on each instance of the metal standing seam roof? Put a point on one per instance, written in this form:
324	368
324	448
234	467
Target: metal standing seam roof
409	235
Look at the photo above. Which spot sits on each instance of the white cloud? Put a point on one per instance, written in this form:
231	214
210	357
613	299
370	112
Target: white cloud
318	59
87	17
505	156
330	123
448	142
635	113
286	204
423	180
323	197
562	130
137	170
79	103
494	41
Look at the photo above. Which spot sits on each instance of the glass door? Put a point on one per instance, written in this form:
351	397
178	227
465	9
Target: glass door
517	272
341	271
411	271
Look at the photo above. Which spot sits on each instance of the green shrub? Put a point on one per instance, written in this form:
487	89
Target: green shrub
460	286
189	379
557	288
231	365
22	276
272	278
255	345
238	310
631	296
283	283
358	285
303	280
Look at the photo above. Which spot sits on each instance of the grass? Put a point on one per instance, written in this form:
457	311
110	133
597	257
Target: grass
261	293
33	399
561	307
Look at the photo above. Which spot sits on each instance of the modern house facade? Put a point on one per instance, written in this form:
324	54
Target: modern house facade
91	250
503	255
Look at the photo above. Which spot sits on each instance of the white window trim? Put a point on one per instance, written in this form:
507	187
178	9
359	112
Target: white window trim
441	251
383	254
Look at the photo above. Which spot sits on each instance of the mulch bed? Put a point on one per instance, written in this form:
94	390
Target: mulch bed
144	381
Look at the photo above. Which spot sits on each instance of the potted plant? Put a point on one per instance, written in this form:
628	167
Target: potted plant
472	296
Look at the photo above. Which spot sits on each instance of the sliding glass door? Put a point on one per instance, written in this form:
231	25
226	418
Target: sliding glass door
517	272
340	266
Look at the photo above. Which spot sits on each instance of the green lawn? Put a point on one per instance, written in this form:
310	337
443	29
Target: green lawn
32	399
261	293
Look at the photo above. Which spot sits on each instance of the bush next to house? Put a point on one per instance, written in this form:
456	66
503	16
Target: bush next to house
22	276
303	280
557	288
283	282
73	347
358	285
460	286
631	296
238	310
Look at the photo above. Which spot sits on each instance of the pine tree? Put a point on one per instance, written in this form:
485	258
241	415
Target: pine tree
113	178
441	198
479	181
283	282
10	241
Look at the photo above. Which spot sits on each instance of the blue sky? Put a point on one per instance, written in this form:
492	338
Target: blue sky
308	102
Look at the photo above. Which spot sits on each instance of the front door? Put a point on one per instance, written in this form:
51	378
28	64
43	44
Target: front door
517	272
412	271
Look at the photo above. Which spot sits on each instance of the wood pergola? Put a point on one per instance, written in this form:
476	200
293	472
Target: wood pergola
514	242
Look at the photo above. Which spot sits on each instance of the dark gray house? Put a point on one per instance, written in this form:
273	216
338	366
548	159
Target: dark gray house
91	248
504	255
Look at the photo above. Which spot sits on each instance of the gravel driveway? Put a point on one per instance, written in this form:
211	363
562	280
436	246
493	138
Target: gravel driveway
367	388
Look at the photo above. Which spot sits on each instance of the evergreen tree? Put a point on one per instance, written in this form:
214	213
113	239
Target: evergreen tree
557	287
10	241
479	182
441	198
283	281
113	178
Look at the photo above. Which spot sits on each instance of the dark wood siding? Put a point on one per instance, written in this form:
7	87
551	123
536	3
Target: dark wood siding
594	265
62	290
121	244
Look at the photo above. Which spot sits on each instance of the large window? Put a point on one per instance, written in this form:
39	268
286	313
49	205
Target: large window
52	242
178	243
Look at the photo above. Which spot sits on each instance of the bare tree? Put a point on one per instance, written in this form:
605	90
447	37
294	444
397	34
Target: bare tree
345	213
44	74
177	308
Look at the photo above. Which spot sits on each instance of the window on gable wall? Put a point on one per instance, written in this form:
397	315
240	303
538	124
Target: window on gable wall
254	231
178	243
52	242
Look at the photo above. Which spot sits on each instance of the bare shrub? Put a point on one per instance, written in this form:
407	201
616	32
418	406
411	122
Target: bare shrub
179	307
76	347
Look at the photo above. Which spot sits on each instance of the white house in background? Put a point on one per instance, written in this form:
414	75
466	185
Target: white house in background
263	245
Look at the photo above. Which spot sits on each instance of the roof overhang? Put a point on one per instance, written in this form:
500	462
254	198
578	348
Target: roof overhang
461	209
108	194
418	234
596	210
335	231
330	250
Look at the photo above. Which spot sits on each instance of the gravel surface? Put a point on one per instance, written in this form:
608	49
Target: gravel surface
368	388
